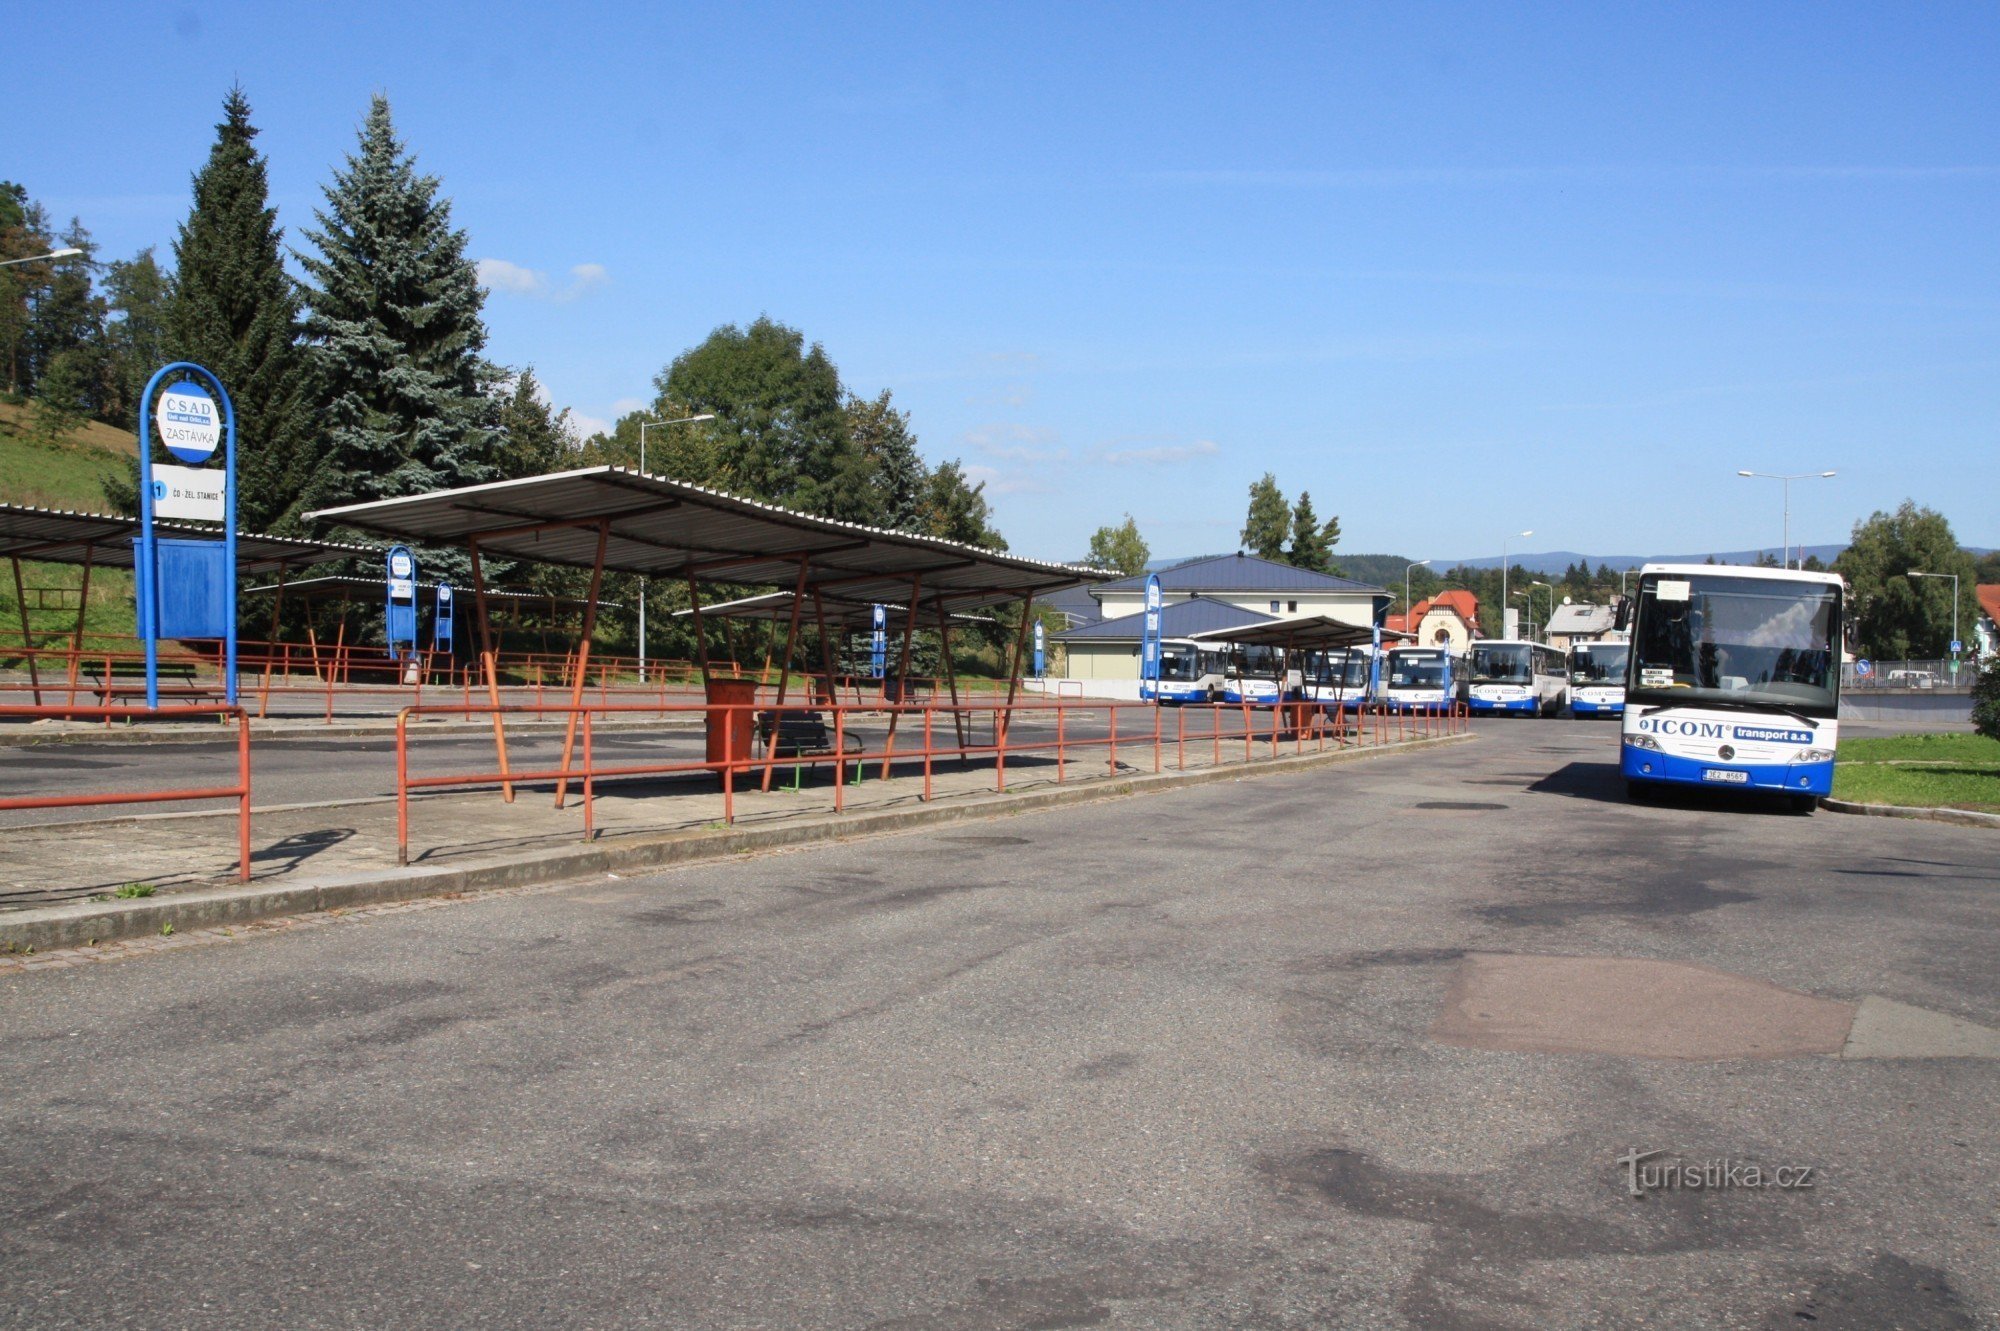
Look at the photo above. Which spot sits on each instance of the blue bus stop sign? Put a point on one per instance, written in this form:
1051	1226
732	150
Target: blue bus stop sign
399	626
879	642
442	628
186	588
1040	659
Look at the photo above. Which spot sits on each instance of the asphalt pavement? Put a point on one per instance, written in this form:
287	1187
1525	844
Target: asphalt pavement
1176	1061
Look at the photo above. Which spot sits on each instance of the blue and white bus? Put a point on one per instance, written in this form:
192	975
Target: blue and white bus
1597	678
1419	679
1733	681
1252	677
1512	677
1340	678
1189	673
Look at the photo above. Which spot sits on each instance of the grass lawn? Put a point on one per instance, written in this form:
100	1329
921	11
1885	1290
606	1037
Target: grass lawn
1925	771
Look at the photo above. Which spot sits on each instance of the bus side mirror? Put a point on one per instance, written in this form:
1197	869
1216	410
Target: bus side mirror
1624	620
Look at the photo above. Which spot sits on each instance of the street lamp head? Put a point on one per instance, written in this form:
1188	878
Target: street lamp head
1827	474
65	253
1746	473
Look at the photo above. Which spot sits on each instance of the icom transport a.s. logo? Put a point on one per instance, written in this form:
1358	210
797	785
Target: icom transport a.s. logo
1692	729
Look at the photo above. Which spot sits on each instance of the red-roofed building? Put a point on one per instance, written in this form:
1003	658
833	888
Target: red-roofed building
1449	618
1986	624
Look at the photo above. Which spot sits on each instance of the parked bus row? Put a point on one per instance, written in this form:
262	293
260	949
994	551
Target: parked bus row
1499	677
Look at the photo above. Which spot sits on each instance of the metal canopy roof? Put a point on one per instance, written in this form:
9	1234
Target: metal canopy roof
311	588
59	536
1302	633
665	528
839	611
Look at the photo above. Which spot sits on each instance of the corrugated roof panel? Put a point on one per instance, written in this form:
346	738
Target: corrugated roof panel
664	528
62	536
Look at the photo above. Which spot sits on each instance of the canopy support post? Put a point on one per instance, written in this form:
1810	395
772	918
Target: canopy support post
950	670
700	633
583	657
277	607
489	666
902	672
27	639
82	610
785	673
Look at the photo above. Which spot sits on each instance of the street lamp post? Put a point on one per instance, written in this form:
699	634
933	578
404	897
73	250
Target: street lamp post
1954	605
1531	607
68	253
1503	577
643	427
1408	607
1801	476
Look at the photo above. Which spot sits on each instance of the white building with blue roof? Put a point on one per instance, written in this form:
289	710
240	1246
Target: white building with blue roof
1219	592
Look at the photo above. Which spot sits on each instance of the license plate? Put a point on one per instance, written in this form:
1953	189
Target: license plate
1726	776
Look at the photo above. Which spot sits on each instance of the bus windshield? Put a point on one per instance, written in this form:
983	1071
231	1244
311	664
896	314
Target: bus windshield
1500	663
1416	672
1600	664
1341	669
1737	640
1179	663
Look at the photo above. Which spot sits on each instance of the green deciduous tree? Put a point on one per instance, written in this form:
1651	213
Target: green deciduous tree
394	329
1896	616
955	509
1269	520
1986	697
782	426
235	310
1120	549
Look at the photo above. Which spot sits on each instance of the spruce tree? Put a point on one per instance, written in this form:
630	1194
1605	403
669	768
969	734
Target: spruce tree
235	311
393	325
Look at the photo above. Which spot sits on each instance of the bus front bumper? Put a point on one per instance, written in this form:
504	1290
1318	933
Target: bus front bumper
1478	704
1790	778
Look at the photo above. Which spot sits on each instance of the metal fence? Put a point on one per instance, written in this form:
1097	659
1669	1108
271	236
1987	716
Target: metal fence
1930	676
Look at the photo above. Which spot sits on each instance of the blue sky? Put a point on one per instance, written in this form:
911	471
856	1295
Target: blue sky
1457	270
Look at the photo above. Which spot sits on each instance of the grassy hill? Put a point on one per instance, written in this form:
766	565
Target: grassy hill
68	474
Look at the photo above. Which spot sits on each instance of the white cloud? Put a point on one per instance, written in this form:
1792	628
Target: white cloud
625	406
1159	455
1011	442
516	280
587	426
1000	482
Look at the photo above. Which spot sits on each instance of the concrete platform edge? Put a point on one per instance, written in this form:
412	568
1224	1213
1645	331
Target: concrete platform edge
1959	817
84	923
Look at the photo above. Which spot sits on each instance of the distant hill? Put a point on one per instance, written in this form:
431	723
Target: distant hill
1555	561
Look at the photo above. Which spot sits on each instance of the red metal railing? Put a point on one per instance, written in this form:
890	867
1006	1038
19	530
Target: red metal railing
930	733
240	792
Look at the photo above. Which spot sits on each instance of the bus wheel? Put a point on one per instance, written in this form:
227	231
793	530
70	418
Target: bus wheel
1639	792
1802	805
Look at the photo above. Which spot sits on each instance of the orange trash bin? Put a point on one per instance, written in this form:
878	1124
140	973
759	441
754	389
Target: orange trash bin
729	732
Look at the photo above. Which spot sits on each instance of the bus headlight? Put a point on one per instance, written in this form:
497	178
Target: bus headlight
1639	740
1814	756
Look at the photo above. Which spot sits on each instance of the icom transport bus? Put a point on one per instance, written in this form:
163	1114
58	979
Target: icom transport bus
1189	673
1506	676
1340	678
1597	678
1252	677
1419	679
1733	681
